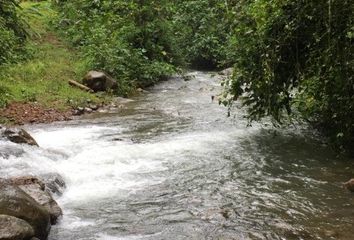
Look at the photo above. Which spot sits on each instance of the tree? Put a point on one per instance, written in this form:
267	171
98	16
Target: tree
297	55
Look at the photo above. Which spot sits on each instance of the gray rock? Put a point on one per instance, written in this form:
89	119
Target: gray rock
88	110
54	183
13	228
187	78
20	136
15	202
227	72
78	111
99	81
94	107
37	190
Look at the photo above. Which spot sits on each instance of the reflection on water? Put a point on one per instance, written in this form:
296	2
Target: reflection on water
171	165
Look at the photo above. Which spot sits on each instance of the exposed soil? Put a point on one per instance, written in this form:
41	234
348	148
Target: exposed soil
22	113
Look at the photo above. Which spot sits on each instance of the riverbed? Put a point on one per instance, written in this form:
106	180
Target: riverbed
170	164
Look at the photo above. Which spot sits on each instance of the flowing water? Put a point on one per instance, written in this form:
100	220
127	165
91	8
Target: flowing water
170	165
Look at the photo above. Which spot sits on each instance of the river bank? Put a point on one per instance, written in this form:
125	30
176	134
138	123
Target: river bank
37	90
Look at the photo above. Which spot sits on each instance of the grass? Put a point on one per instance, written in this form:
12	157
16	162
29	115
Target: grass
43	78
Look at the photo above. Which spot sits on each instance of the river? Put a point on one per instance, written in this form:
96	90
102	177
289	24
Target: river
170	164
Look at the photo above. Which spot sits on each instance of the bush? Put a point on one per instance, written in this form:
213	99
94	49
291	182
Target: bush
131	40
12	32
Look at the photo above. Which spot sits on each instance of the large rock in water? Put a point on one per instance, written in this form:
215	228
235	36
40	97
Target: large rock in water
12	228
20	136
37	190
99	81
15	202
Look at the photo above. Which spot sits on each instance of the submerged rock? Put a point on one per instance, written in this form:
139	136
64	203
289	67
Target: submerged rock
20	136
54	183
16	203
37	190
7	151
187	78
13	228
350	185
99	81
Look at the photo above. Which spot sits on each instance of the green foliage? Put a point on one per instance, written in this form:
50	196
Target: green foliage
297	55
131	40
44	77
202	30
12	31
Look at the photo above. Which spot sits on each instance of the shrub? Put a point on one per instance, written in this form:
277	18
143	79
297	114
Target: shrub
131	40
12	32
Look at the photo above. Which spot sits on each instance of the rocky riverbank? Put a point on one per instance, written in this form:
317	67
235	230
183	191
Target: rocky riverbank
27	205
20	113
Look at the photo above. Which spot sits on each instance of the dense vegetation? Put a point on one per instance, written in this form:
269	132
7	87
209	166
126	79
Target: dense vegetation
297	55
12	32
131	40
288	56
35	64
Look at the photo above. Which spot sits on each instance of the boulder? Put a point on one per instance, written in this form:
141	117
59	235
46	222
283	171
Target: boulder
350	185
15	202
13	228
99	81
20	136
37	190
28	180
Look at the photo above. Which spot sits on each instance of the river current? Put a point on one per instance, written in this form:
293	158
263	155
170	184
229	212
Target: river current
170	165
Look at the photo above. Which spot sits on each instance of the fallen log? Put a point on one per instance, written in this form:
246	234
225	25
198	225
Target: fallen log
79	85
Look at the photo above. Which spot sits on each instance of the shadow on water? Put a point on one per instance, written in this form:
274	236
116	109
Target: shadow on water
299	180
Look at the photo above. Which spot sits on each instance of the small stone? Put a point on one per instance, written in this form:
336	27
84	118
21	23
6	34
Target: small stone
94	107
350	185
330	234
117	140
187	78
88	110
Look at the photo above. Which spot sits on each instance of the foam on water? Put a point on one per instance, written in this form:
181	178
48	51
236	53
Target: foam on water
95	167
